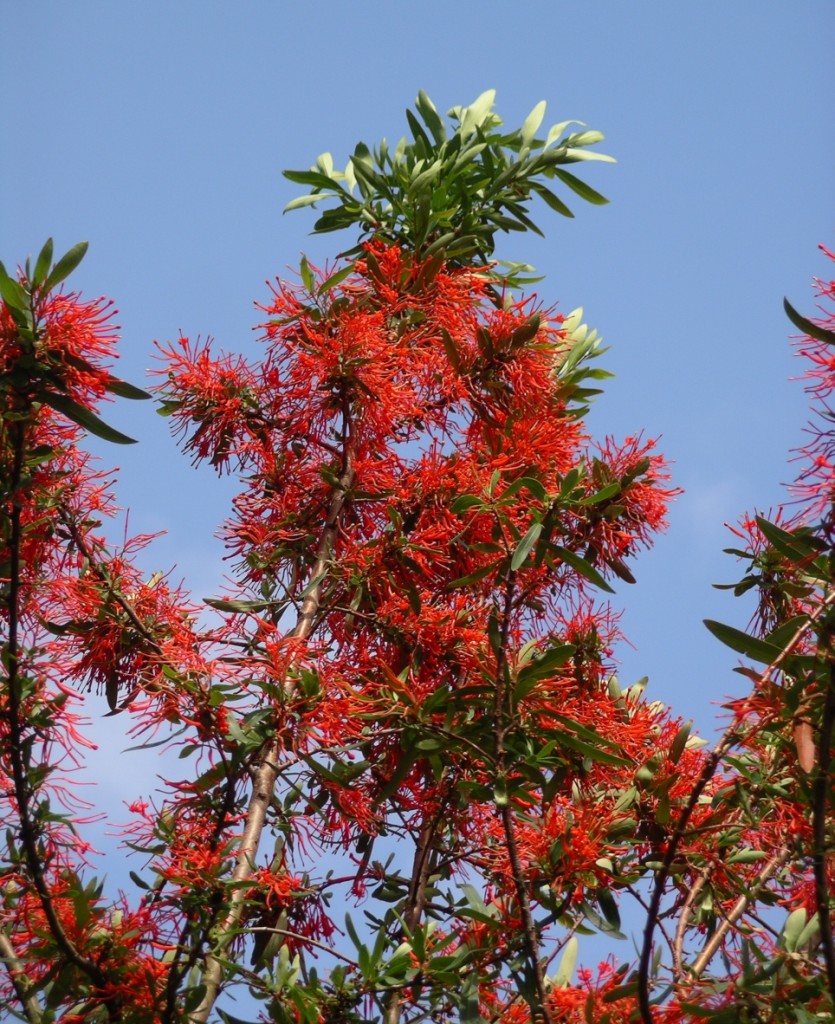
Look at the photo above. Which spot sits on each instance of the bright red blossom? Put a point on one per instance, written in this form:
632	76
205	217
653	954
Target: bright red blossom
412	646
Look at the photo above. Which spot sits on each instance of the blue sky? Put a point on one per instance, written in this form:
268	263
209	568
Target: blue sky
158	132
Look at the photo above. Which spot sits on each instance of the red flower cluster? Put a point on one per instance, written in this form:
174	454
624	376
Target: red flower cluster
413	655
419	489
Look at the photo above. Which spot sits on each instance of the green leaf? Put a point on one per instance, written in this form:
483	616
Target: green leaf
695	1010
335	279
680	742
475	114
367	178
628	990
66	265
475	576
308	200
465	501
336	220
414	599
518	212
532	123
439	243
793	928
229	1018
428	273
430	744
325	164
524	547
210	778
84	418
786	631
572	742
451	349
315	178
568	961
526	332
352	933
418	133
743	643
13	294
597	921
466	156
425	177
58	990
545	665
583	567
574	148
473	897
430	115
43	263
796	547
125	390
469	1001
580	187
609	491
535	486
556	130
322	771
308	279
224	605
551	199
745	857
608	904
810	932
801	323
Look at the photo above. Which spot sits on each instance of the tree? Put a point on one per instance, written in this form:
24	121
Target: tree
405	709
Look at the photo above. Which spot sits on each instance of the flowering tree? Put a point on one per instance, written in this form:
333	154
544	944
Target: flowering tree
411	776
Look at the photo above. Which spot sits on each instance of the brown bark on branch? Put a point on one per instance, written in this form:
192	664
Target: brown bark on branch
266	775
417	901
769	870
20	981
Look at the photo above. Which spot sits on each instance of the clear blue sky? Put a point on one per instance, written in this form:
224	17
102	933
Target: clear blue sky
158	131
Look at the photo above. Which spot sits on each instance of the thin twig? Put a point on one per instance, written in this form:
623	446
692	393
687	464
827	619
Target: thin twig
684	919
305	939
738	909
20	980
819	818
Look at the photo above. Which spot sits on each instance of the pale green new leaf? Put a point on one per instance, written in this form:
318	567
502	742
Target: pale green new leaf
568	961
531	123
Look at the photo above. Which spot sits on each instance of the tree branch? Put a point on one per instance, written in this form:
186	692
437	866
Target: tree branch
738	909
20	980
819	806
267	774
503	712
24	792
416	899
